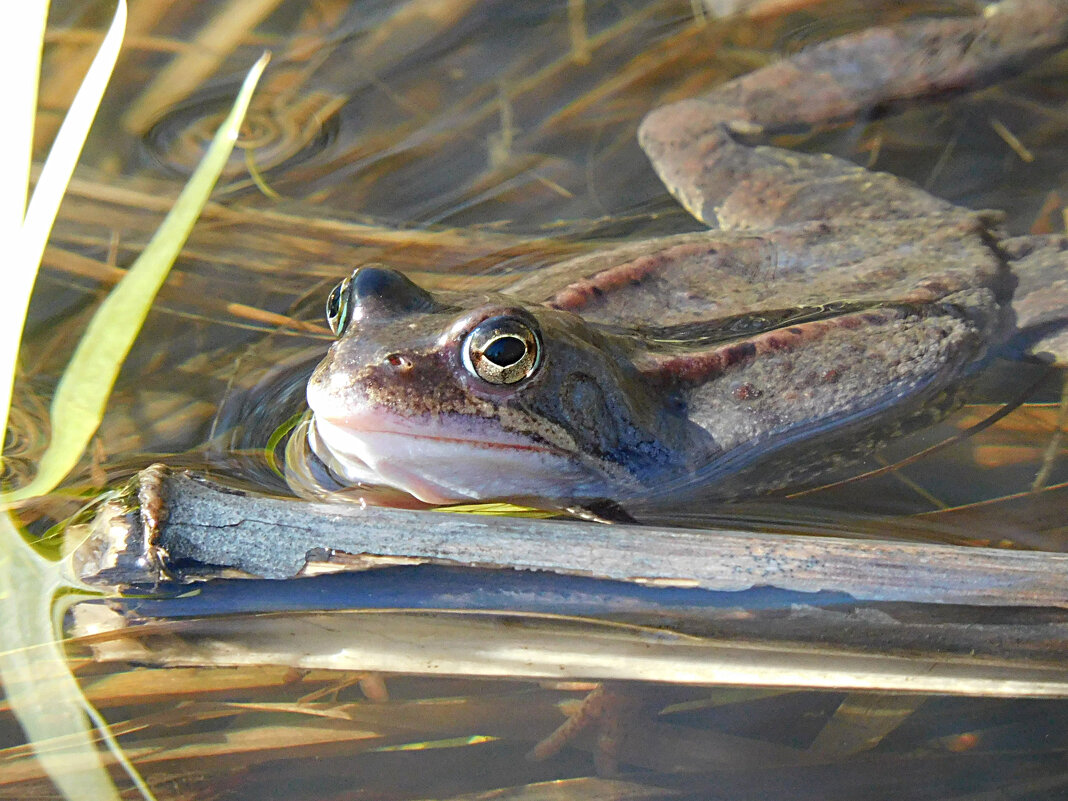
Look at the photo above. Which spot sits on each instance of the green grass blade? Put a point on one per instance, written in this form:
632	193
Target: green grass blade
37	681
82	394
67	147
32	231
38	684
22	28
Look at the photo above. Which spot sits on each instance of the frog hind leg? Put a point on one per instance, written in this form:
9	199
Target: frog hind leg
1040	301
701	147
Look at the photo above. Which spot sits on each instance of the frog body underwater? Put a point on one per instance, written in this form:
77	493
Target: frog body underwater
826	304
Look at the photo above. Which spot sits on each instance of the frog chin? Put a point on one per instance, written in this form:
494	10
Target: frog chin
448	459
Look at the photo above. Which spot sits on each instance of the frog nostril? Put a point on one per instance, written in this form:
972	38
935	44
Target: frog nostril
398	362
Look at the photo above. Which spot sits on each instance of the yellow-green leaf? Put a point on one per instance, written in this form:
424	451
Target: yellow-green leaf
81	397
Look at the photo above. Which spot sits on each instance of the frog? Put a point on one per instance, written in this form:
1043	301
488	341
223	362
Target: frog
826	310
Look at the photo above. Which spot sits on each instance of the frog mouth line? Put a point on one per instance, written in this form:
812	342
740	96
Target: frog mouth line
354	429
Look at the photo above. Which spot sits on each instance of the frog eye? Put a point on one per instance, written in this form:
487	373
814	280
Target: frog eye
502	350
337	307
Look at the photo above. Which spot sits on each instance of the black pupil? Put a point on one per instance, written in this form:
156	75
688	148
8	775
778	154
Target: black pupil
505	351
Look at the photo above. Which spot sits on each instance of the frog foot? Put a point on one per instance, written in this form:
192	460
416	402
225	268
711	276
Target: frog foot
609	710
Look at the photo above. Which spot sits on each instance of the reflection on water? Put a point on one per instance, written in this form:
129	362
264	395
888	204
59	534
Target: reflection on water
420	731
463	141
271	733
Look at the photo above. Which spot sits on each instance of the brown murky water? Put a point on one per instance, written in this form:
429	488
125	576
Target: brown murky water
465	139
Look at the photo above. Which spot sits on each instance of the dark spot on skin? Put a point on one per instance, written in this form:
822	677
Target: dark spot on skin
746	391
597	291
635	282
796	331
738	353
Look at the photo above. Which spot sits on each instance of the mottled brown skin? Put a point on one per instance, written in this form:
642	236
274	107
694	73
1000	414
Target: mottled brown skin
828	304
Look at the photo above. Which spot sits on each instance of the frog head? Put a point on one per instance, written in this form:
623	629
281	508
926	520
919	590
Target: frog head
451	397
